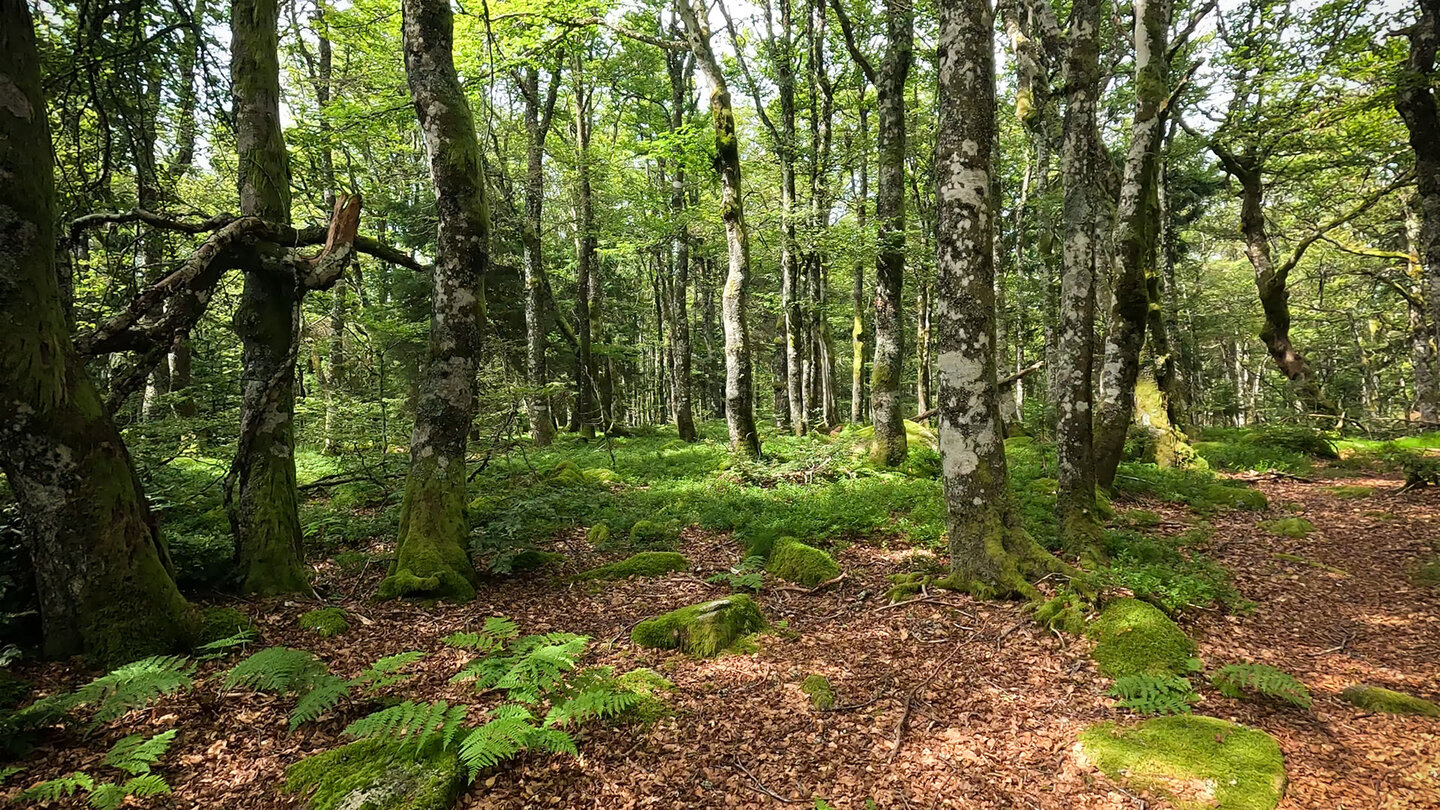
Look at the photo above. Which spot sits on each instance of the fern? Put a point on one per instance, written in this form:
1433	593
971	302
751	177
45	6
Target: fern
136	753
500	739
418	722
280	670
1247	680
592	695
386	672
1155	694
111	796
223	647
9	771
125	689
59	788
323	694
492	636
534	666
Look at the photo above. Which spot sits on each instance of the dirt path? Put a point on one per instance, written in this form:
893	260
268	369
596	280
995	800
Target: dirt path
994	702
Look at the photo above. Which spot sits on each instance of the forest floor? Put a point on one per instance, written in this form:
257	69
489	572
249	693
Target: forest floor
943	700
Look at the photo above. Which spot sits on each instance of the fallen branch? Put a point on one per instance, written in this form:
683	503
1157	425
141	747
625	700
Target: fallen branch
761	785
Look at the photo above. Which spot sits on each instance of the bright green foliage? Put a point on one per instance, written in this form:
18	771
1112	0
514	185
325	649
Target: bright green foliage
1296	527
644	564
379	774
592	694
386	671
279	670
599	535
218	623
703	630
651	688
746	575
1351	491
324	622
1065	612
647	534
1236	497
496	632
1258	680
414	724
822	697
136	753
1154	694
133	755
1380	699
117	693
530	668
797	562
1135	638
1297	438
1165	572
1198	763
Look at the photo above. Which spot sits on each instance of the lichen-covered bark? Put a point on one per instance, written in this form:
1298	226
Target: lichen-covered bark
430	558
678	68
735	299
857	292
1415	101
1423	359
1136	235
102	572
989	553
1076	332
538	114
264	513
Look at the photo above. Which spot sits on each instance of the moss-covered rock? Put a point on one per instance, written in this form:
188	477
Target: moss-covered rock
1351	491
599	535
704	630
1296	527
566	474
378	774
644	564
651	535
1236	497
324	622
1065	611
223	622
1136	638
1380	699
822	697
806	565
1197	763
533	560
652	687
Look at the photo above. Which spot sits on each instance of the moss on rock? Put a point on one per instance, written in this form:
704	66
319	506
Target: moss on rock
223	622
703	630
1296	527
378	774
1380	699
644	564
822	697
797	562
599	535
1351	491
325	622
534	560
1136	638
1196	762
652	687
1236	497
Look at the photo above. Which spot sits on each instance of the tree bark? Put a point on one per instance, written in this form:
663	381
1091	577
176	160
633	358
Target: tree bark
430	557
586	382
538	113
1079	529
678	68
1416	103
857	292
735	300
103	574
1136	239
265	514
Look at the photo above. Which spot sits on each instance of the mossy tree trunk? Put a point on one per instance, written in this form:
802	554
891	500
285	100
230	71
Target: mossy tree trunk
735	298
431	558
1136	239
1074	377
101	569
989	553
538	114
264	513
1415	101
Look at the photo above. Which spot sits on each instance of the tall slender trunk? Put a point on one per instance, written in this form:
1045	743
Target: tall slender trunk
538	114
1423	357
1075	341
735	300
922	348
857	292
678	69
822	112
1416	103
586	384
101	569
1136	236
264	514
1170	355
430	557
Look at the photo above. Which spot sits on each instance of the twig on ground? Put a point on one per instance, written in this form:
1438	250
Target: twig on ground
761	785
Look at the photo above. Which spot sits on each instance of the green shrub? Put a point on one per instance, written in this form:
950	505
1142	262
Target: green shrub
1259	680
1296	438
644	564
792	560
1388	701
703	630
1135	638
325	622
746	575
133	756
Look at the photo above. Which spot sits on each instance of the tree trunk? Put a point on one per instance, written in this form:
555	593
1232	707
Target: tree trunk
264	514
102	572
989	553
1136	236
857	292
538	113
680	96
586	382
1079	529
430	557
1170	353
735	300
1423	358
1415	100
922	346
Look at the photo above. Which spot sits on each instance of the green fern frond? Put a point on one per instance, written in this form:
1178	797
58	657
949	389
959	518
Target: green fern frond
418	722
534	666
136	753
110	796
59	788
9	771
1155	694
387	671
279	670
496	632
131	687
223	647
324	693
552	741
593	694
1250	680
498	740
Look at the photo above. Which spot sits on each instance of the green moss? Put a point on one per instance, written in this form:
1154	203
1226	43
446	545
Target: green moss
652	687
806	565
430	560
566	474
1064	612
325	622
822	697
378	774
648	534
1136	638
1139	518
13	691
1427	573
705	629
599	535
1296	527
1379	699
1351	491
1235	497
1195	762
533	560
223	622
644	564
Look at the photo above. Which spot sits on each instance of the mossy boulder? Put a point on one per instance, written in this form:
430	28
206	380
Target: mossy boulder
223	622
1351	491
325	622
566	474
703	630
644	564
1197	763
652	535
1236	497
799	563
599	535
1380	699
1136	638
533	560
822	697
1296	527
652	687
378	774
